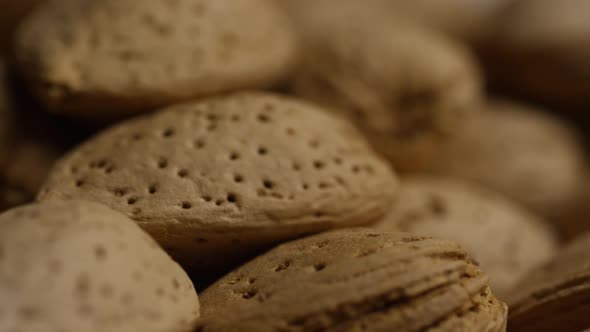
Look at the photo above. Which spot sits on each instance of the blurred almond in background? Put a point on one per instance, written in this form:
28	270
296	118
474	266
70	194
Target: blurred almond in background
530	156
540	50
406	87
467	20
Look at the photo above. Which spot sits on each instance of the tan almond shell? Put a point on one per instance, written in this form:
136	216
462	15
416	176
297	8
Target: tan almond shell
79	266
218	177
354	279
471	215
406	87
112	57
529	156
555	297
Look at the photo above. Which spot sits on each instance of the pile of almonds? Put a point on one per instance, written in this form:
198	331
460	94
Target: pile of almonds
301	165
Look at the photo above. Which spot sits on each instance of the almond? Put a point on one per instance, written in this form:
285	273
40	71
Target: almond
351	280
555	297
223	176
79	266
103	58
405	87
503	237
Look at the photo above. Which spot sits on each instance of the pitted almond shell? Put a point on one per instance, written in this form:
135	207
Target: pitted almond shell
79	266
221	176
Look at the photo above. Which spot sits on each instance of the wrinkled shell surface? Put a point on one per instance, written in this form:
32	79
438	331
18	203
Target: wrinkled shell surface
555	297
355	280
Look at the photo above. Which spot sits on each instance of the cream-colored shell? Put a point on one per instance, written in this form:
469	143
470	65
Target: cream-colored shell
506	240
79	266
355	280
222	176
529	156
107	57
555	296
404	86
